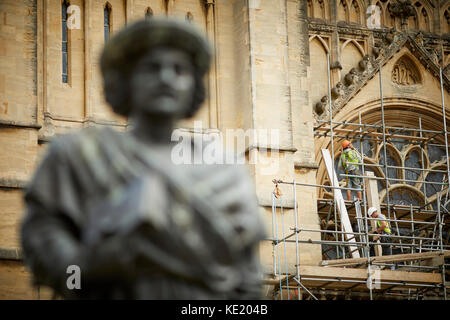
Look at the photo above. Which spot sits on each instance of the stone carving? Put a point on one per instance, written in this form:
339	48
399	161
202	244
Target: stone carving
376	50
336	65
364	63
338	90
402	9
404	73
321	106
351	77
116	204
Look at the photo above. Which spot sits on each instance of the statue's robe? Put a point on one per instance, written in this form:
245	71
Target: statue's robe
138	226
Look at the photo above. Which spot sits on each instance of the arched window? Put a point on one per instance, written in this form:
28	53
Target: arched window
423	18
446	22
148	13
107	20
342	14
189	17
354	12
310	9
64	42
409	164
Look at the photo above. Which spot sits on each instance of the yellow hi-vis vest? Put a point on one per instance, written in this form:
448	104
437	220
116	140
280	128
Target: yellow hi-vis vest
349	160
386	229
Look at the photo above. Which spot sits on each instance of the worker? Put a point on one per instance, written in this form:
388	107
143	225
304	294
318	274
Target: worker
383	228
349	162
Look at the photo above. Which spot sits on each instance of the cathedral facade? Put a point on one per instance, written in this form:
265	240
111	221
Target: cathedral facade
277	63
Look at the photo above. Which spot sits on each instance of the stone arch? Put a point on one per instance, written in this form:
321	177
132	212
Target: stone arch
360	48
189	17
413	21
418	175
318	9
400	188
351	54
148	13
194	9
318	49
445	19
342	10
423	15
321	40
405	71
380	5
355	12
392	154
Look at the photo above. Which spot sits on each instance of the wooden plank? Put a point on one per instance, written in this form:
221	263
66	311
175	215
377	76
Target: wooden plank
345	221
15	283
373	200
361	274
393	258
324	273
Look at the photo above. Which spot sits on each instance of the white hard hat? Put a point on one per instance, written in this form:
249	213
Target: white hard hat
371	211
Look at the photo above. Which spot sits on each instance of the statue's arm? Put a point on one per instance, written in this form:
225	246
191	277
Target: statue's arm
51	232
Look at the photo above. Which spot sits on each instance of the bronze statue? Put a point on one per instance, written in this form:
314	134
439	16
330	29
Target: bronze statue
112	203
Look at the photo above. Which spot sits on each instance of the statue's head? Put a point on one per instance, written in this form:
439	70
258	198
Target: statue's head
155	68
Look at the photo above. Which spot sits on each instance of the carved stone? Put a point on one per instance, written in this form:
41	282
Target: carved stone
338	90
401	8
364	63
405	73
351	77
321	106
336	65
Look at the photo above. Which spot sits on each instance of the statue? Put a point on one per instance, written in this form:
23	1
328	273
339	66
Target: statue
113	203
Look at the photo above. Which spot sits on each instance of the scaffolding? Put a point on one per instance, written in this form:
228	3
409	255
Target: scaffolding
421	252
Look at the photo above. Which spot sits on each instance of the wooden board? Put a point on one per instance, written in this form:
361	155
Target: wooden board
321	274
347	227
393	258
373	200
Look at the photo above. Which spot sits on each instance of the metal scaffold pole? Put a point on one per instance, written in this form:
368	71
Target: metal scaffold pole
444	120
297	258
384	143
330	110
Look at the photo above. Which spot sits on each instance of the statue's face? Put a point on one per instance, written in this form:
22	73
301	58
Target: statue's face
163	84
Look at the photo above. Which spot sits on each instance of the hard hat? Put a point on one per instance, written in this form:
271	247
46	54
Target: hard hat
371	211
345	144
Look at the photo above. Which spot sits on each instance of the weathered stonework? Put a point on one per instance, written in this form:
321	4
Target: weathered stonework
270	72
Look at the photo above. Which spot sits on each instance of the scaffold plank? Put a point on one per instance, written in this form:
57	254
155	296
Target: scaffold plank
392	258
347	227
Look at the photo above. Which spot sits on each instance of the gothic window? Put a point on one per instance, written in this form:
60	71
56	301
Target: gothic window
107	20
310	9
189	17
382	22
64	42
317	9
342	10
148	14
354	14
446	22
415	163
423	20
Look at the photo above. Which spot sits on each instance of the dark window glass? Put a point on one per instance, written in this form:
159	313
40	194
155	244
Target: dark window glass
148	14
64	46
107	21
